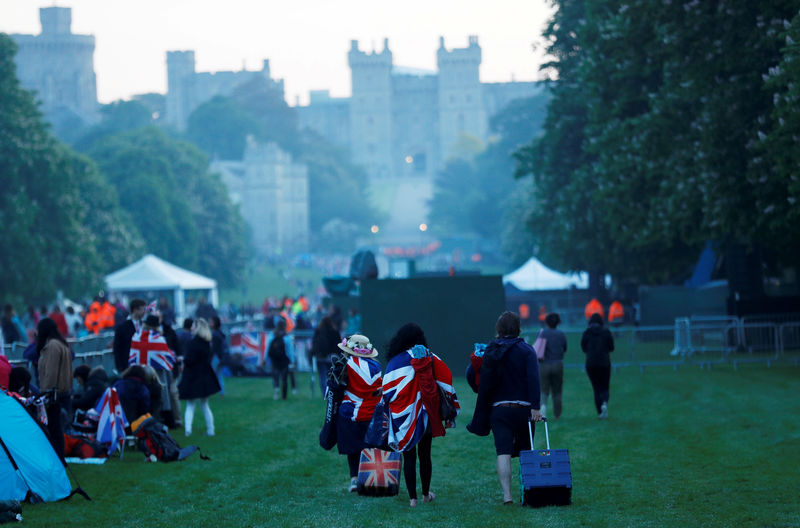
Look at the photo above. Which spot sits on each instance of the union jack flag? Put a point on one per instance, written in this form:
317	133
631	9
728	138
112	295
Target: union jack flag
407	415
363	389
149	347
112	423
251	345
378	469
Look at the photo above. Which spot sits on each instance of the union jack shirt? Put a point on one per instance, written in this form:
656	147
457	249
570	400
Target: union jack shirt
149	347
363	391
407	415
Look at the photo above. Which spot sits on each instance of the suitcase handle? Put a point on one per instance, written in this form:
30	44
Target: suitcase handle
546	434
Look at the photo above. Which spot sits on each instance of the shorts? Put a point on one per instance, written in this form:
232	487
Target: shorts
510	429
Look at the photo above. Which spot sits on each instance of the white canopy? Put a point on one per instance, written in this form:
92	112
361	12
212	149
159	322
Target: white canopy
153	274
533	275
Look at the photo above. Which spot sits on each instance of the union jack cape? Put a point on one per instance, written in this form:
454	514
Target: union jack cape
408	418
149	347
362	393
112	423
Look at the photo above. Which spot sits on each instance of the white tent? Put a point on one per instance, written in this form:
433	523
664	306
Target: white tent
533	275
153	274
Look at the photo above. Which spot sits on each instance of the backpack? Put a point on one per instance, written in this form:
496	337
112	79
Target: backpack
83	447
277	352
154	440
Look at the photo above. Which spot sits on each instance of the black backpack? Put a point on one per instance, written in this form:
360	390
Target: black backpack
277	352
155	441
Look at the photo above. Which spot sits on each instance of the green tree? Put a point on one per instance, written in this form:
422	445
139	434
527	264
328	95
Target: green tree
47	245
183	212
119	116
220	127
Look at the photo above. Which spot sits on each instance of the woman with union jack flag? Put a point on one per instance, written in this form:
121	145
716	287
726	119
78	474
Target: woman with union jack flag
411	388
361	394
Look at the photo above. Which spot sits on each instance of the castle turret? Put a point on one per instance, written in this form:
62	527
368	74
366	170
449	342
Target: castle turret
59	66
461	109
371	109
180	92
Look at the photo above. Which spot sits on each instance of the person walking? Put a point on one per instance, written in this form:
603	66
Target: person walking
280	350
198	381
411	389
55	374
361	394
508	396
551	367
598	343
324	344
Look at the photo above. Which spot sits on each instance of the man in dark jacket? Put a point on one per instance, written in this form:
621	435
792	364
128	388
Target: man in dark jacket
508	396
123	334
597	343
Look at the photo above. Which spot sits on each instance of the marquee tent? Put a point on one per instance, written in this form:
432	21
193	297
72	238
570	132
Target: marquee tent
152	274
533	275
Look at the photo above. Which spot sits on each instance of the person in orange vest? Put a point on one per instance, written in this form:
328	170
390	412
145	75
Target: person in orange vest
93	318
616	313
593	307
524	312
107	312
542	314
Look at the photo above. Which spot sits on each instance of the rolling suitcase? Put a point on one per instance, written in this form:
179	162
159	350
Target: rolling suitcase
545	475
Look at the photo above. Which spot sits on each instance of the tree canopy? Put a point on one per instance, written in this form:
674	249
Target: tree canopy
662	134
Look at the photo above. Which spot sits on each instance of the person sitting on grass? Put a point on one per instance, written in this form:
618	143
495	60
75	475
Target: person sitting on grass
94	382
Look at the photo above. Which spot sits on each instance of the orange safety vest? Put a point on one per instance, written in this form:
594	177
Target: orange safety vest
593	307
107	312
542	313
616	311
524	311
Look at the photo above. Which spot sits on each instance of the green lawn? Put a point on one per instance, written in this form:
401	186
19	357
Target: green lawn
687	448
272	281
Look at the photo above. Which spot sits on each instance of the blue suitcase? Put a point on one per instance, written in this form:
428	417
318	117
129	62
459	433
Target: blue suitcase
545	475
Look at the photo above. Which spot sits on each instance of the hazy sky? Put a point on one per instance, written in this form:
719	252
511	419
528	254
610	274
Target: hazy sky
306	41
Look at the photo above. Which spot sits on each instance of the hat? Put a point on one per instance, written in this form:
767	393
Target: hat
358	345
152	321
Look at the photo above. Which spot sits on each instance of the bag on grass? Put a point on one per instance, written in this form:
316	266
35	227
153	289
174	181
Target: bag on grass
154	440
83	447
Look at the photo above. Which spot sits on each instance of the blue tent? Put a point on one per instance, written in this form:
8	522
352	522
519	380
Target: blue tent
28	462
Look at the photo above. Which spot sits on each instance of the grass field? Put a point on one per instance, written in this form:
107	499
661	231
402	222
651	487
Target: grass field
272	281
687	448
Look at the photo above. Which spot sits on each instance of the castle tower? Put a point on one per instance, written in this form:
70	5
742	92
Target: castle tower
371	109
461	109
180	87
59	66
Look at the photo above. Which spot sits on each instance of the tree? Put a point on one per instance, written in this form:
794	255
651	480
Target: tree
220	127
183	212
648	144
47	244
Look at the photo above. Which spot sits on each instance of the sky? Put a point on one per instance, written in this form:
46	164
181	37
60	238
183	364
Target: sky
306	41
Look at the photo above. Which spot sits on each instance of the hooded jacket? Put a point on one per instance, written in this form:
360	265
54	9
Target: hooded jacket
597	343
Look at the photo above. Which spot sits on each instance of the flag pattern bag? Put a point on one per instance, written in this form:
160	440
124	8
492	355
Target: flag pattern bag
379	472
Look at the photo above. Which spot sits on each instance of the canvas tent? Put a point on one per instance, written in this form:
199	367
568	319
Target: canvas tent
28	462
152	274
533	275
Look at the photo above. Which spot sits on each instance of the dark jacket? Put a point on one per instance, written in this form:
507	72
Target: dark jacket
198	380
324	343
133	396
510	372
96	385
597	343
123	334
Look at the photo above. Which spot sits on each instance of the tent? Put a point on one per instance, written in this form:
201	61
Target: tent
28	463
152	274
533	275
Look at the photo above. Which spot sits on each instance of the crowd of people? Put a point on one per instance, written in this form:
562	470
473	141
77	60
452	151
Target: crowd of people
156	367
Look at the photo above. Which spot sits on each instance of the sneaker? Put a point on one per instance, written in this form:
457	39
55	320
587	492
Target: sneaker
294	391
544	410
276	395
603	411
353	485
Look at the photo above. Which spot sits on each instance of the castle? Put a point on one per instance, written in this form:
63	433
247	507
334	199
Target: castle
59	66
399	122
272	193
